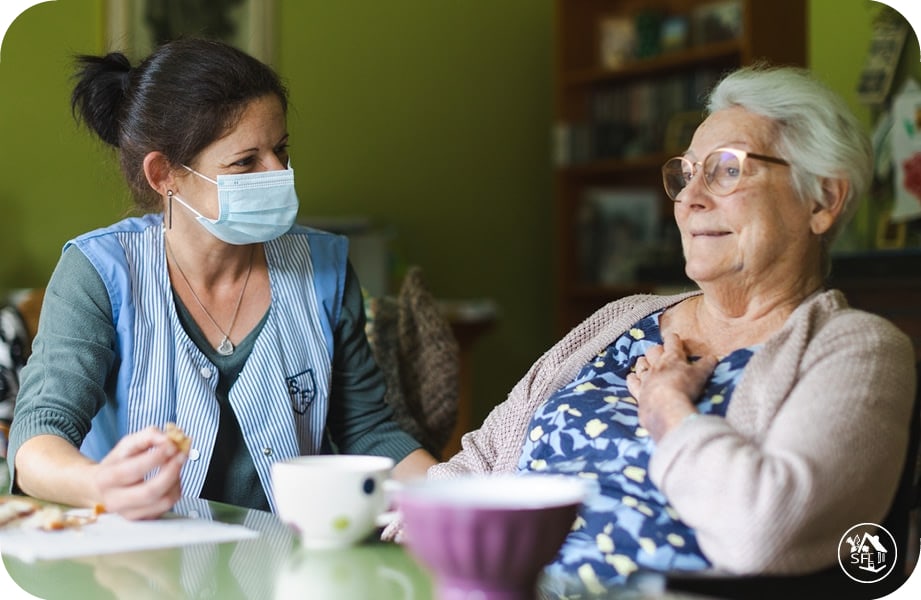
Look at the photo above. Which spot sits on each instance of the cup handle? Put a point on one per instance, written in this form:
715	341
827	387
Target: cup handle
392	486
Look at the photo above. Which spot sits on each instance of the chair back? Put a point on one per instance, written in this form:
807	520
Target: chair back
908	494
414	346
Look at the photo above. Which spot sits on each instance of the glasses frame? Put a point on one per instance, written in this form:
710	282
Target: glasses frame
696	167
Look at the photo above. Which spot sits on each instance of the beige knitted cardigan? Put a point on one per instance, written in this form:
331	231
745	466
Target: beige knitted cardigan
813	441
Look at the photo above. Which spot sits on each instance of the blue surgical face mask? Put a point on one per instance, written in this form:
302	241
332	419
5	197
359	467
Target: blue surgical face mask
252	207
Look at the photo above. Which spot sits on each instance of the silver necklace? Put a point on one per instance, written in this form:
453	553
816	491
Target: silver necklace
225	348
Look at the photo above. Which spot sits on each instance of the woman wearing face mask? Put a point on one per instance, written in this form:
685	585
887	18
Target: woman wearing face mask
213	310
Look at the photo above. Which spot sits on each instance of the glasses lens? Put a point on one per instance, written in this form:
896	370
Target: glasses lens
676	174
723	171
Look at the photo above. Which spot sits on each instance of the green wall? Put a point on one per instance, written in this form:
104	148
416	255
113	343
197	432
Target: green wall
430	117
433	118
54	180
839	38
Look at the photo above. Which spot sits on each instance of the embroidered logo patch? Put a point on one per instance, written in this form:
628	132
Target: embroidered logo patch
302	388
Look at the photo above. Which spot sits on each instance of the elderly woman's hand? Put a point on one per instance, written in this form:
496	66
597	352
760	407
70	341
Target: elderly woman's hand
665	384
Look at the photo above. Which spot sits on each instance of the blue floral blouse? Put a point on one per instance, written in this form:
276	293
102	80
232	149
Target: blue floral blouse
590	428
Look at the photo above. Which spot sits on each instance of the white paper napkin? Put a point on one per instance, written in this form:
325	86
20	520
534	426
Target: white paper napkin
111	533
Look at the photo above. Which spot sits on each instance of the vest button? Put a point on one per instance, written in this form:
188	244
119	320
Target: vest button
205	372
193	454
267	451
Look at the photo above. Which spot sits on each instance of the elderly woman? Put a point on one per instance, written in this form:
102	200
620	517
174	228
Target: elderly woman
745	426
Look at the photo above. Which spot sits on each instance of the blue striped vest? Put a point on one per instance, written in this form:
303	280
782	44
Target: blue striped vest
280	397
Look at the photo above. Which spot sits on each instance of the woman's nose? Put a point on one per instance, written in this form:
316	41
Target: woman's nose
695	193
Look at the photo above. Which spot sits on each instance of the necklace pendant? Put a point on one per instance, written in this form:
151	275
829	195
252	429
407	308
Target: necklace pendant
225	348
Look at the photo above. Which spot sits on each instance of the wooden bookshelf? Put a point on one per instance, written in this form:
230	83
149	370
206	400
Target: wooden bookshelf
613	121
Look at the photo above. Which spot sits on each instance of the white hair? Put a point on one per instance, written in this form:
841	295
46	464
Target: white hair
816	131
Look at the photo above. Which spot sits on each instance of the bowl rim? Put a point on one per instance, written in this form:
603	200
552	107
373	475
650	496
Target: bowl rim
348	462
497	491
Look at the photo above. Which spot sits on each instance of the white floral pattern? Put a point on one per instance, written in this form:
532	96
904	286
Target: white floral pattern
590	428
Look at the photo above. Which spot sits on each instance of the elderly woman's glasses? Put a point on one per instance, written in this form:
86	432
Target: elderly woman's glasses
722	168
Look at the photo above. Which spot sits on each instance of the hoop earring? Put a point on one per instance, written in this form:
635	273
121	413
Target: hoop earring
169	223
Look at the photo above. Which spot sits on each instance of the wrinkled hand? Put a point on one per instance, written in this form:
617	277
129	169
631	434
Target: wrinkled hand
120	477
665	384
393	531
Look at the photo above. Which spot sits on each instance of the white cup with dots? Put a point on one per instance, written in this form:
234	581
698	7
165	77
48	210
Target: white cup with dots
332	500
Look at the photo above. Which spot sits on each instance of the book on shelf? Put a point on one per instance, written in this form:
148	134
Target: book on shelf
627	120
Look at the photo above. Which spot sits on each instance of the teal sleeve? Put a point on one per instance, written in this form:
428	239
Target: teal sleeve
360	420
67	378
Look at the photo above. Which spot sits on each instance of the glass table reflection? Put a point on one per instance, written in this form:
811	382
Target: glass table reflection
270	566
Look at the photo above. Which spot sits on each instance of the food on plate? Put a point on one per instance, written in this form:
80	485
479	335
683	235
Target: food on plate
49	518
178	437
13	508
25	513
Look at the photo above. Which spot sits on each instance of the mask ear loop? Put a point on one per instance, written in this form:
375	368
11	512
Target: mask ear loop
169	224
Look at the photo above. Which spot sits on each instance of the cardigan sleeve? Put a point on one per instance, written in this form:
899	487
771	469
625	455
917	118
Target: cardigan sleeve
828	459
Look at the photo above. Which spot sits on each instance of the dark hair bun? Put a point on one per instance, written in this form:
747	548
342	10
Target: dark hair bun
100	91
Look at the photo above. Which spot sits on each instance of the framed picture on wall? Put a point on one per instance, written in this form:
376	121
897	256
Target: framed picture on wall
136	27
876	78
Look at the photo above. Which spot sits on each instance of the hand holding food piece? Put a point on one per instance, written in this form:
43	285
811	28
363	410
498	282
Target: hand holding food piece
178	437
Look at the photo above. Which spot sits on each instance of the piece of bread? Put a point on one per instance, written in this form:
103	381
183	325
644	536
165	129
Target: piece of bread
13	508
178	437
25	513
49	518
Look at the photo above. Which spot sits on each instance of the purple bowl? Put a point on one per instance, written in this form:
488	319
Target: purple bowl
489	537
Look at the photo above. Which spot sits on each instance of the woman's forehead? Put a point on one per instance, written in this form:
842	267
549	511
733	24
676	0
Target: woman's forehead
733	127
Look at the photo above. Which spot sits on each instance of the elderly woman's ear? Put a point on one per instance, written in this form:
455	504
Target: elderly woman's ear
825	213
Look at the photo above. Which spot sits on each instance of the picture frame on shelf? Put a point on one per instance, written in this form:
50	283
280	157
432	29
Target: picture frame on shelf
136	27
618	231
717	21
675	33
616	41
